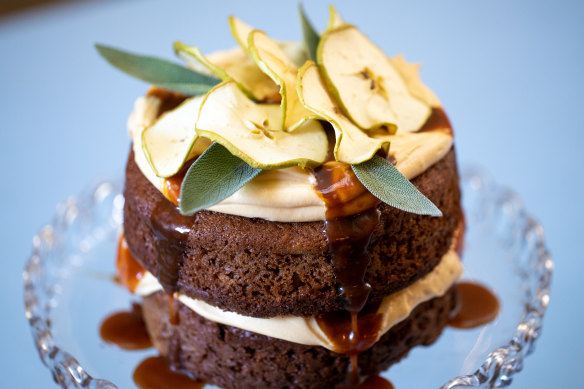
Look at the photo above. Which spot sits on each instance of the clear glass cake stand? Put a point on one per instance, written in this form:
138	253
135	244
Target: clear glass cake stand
68	290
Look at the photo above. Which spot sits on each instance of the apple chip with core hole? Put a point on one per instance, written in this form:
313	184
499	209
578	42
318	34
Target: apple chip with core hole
353	145
172	140
253	132
237	65
272	60
369	90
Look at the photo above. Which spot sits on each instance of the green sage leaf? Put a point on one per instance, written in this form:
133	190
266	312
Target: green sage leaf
159	72
213	177
386	183
311	37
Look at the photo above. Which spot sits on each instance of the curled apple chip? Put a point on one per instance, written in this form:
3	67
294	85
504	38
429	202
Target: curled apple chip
273	61
240	31
172	140
410	73
352	145
253	132
335	19
237	65
369	90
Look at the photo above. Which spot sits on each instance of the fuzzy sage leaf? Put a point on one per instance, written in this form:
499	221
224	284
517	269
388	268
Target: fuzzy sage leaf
159	72
386	183
311	37
213	177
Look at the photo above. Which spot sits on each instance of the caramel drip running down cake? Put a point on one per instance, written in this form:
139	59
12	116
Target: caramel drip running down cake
292	210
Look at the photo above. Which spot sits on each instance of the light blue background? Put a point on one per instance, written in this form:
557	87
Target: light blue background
508	72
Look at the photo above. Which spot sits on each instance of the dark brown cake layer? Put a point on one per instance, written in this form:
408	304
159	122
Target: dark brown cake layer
233	358
262	268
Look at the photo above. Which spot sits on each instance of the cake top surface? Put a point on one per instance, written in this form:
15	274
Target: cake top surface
258	122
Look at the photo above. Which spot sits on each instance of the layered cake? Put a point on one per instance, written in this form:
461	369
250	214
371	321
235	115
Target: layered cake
292	211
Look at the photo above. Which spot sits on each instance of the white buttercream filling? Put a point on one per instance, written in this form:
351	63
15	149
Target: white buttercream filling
305	330
288	195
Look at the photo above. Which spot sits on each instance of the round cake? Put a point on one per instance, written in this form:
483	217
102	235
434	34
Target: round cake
297	225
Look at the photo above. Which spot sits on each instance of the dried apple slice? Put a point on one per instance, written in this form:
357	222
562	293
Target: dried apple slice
410	73
353	145
172	140
240	31
235	64
295	51
369	90
335	19
253	132
272	60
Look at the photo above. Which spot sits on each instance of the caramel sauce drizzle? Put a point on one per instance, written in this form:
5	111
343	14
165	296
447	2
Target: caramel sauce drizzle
171	230
341	191
438	120
154	373
476	306
129	270
173	310
171	185
171	189
126	329
351	218
352	333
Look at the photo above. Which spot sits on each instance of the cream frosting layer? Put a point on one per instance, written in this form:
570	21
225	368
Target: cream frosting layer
288	195
305	330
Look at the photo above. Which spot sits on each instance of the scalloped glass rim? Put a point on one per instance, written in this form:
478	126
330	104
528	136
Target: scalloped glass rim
483	200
